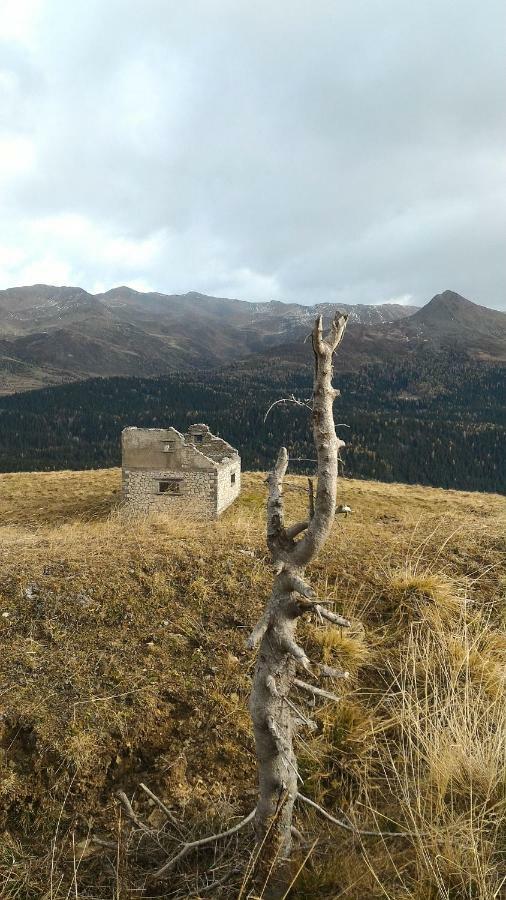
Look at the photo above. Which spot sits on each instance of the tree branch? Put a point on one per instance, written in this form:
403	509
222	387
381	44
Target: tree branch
326	442
294	530
337	330
330	672
296	583
192	845
289	646
258	632
131	815
316	690
309	605
331	616
135	819
275	505
291	399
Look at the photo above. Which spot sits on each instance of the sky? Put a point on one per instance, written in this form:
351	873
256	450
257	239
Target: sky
330	150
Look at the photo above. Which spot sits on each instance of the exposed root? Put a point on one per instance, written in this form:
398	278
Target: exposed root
349	827
161	805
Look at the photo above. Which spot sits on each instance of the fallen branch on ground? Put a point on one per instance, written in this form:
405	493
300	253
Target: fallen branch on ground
201	842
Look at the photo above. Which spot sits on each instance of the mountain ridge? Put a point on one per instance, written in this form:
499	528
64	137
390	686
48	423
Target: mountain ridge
53	334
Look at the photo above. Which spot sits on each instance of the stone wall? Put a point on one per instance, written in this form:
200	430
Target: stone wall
196	496
160	449
195	475
213	447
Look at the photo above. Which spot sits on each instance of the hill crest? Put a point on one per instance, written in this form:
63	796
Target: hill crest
51	334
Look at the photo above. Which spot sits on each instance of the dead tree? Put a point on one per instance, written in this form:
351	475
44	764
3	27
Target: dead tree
274	715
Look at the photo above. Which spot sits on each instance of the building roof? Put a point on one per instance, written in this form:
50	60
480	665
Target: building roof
168	448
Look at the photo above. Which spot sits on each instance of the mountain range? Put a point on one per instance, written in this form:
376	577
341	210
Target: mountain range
51	335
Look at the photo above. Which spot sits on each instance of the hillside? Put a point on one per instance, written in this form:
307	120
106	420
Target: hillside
50	335
450	320
123	661
447	323
430	418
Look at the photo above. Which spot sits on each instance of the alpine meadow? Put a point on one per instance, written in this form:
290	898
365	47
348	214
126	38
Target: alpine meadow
252	450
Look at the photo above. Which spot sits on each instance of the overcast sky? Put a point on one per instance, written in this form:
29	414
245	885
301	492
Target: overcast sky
306	151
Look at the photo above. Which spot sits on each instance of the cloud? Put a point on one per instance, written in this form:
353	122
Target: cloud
350	151
17	156
18	20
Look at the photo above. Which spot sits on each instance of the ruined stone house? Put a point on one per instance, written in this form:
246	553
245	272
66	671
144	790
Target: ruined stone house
195	474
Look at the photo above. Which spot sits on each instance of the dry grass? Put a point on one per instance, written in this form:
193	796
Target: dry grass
123	660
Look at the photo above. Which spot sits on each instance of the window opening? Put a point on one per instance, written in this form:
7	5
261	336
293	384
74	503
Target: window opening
170	486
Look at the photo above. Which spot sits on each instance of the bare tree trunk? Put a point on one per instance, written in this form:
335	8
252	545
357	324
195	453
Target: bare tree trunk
279	655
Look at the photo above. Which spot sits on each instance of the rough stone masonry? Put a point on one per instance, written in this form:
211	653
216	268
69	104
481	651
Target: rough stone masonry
194	475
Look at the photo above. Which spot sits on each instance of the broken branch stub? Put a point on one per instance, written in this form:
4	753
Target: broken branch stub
279	655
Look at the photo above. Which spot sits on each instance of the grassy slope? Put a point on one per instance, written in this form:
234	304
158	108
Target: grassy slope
123	661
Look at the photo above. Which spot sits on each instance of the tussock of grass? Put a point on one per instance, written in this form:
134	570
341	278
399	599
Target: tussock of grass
123	661
424	597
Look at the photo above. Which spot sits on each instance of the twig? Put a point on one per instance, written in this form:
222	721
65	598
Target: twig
162	806
301	717
135	819
349	827
291	399
310	605
220	881
131	815
191	845
108	697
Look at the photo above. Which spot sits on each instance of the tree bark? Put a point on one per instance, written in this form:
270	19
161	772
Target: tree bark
279	655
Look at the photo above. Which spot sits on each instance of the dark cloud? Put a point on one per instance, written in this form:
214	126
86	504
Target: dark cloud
351	150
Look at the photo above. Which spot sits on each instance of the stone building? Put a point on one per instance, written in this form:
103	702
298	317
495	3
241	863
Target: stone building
194	474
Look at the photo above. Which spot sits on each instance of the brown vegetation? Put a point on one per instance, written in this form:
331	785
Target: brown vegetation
123	661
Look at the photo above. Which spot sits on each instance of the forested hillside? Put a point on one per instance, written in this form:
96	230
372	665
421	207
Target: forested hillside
436	419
